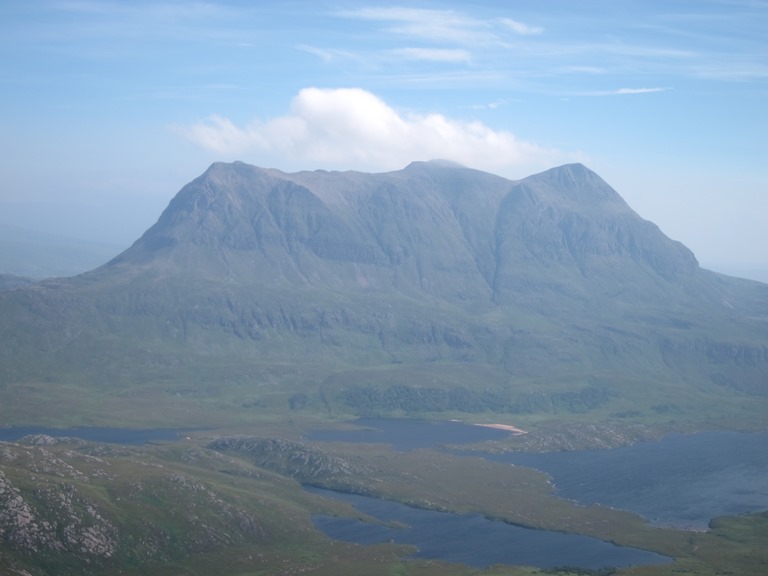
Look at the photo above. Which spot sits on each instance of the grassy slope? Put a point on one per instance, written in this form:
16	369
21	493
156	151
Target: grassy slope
146	369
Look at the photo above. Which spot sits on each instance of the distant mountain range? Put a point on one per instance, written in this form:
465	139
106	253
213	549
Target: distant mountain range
433	289
30	253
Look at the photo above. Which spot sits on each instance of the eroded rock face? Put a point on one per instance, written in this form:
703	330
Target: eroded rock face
18	522
60	520
64	510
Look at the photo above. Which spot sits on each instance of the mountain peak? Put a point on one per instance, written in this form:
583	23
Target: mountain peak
435	163
570	214
578	185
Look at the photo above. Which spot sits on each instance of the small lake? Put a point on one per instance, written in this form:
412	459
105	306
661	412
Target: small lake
680	480
473	540
94	434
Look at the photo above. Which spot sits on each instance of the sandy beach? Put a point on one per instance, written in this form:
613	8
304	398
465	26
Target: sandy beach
508	427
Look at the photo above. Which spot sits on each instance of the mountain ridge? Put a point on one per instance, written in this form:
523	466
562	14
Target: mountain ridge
303	205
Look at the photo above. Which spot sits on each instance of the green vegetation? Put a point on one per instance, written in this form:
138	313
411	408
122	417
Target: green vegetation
182	508
371	400
575	571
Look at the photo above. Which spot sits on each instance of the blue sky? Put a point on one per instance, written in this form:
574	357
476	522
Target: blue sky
110	107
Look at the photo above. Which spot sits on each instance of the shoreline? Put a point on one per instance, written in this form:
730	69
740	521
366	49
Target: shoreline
508	427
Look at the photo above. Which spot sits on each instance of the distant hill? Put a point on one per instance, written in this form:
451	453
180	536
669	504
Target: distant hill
12	282
433	289
35	254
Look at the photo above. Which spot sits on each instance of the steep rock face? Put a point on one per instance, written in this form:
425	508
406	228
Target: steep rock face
567	229
431	229
404	230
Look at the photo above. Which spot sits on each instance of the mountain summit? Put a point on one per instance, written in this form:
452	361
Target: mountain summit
433	228
542	294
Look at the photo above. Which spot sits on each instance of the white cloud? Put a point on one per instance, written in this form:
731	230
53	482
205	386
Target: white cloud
350	128
520	28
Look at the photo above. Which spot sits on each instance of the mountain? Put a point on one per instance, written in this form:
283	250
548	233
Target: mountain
436	288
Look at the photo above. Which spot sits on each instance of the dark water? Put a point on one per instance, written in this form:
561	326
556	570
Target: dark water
681	480
109	435
474	540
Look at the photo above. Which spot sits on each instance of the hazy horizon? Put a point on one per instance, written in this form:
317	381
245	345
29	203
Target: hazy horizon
111	107
54	249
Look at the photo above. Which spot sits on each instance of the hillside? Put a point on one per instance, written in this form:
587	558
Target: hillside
433	289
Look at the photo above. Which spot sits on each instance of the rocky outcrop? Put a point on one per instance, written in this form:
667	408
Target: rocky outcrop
65	511
55	519
306	464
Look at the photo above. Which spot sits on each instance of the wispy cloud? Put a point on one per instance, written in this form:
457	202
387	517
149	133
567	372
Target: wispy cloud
577	69
637	90
620	92
520	28
516	48
114	21
432	54
328	54
353	128
435	25
491	105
